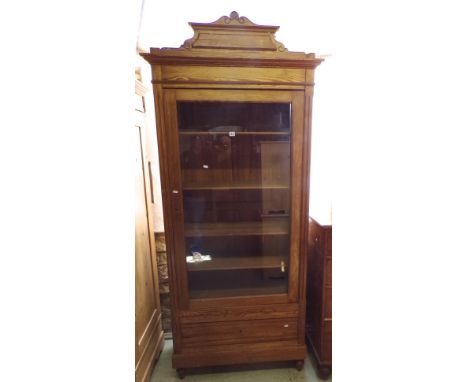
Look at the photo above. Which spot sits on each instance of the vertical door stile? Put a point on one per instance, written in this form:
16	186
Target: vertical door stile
175	195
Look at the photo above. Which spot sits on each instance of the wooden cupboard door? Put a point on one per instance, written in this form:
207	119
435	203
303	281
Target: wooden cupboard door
235	189
146	300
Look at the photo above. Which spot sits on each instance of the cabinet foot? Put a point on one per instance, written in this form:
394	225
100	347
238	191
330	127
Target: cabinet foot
299	364
181	373
323	372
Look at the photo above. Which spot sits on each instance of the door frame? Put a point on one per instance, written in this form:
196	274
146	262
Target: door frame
175	198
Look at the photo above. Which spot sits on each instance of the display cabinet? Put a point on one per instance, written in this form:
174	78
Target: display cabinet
233	111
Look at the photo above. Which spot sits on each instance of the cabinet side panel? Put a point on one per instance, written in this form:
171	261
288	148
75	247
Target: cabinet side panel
327	342
304	210
314	290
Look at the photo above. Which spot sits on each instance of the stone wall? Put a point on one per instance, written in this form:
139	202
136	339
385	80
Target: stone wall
163	281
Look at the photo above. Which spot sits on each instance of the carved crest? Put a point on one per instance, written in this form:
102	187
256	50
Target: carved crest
234	32
234	18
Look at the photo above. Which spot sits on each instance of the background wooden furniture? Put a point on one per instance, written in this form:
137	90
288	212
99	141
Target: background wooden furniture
319	296
149	337
233	112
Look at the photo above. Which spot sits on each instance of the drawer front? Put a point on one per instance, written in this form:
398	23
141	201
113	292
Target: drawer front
239	313
215	333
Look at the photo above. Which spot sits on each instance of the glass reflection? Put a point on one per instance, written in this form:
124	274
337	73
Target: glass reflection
235	160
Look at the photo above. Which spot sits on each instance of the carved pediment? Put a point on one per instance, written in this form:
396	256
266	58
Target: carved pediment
234	32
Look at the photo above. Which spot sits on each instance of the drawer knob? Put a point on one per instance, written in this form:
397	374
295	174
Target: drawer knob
286	325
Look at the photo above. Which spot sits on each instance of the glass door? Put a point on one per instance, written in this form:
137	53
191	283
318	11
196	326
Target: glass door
235	161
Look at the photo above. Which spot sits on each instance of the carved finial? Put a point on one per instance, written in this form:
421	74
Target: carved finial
234	18
234	15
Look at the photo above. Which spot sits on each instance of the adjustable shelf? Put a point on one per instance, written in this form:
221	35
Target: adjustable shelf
235	132
277	226
234	186
233	263
260	288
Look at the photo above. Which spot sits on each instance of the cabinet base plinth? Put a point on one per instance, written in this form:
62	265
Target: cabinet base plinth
243	354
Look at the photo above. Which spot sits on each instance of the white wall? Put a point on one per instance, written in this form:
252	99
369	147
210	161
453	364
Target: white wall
300	30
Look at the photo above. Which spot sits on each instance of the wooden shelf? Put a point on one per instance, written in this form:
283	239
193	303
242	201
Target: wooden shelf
276	226
261	289
235	186
233	263
181	132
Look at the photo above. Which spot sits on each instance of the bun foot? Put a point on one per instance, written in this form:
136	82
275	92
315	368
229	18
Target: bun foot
181	373
299	365
323	372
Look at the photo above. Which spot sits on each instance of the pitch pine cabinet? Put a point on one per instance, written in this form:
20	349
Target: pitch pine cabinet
233	115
